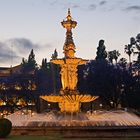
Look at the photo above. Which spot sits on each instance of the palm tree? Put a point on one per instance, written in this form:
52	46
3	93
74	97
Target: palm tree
129	48
134	43
138	47
113	55
110	56
116	55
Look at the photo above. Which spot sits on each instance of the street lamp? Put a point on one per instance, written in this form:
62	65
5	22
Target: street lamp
101	105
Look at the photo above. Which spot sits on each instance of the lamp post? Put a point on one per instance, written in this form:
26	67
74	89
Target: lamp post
111	104
101	105
91	107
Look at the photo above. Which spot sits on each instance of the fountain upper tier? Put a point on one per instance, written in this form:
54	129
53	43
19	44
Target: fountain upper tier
69	71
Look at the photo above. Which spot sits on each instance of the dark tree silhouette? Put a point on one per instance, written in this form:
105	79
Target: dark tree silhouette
48	78
108	81
123	63
101	52
129	49
29	65
82	85
113	55
44	65
137	44
55	54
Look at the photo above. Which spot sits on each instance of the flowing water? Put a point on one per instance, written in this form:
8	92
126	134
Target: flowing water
97	118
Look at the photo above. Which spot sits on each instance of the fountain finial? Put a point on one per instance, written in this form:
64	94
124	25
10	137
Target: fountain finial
69	15
69	11
69	46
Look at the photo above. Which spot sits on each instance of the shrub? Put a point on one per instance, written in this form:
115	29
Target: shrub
5	127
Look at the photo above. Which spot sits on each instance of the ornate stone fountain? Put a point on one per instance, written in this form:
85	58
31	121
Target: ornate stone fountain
69	99
99	123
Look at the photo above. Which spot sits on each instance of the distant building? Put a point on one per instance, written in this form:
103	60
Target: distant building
7	71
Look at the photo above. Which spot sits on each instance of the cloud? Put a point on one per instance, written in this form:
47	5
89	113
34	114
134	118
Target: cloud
104	5
92	7
4	50
6	54
102	2
71	5
7	59
20	46
137	18
75	6
132	8
53	2
48	45
17	48
22	43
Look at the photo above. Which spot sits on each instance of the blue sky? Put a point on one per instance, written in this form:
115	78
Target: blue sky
27	24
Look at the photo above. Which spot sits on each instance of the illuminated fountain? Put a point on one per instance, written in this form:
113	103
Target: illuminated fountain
69	99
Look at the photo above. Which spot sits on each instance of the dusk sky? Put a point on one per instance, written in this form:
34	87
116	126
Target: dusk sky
35	24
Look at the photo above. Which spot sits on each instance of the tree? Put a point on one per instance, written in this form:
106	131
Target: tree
122	63
133	96
29	66
44	65
113	55
110	56
116	55
137	44
105	80
31	60
132	88
54	55
81	84
48	78
129	49
101	52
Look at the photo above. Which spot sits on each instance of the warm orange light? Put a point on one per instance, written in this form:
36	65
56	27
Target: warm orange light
69	103
69	99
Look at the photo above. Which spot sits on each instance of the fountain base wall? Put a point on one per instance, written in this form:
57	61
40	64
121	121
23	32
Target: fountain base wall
116	131
98	124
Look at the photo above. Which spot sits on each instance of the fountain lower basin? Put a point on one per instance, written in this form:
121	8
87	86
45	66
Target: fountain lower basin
97	118
69	103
